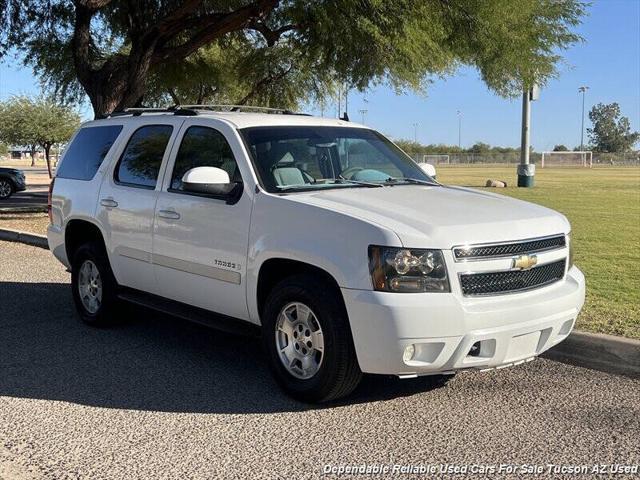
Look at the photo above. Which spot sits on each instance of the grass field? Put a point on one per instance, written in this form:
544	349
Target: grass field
603	205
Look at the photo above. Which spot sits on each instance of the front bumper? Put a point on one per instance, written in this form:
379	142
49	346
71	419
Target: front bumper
19	183
443	328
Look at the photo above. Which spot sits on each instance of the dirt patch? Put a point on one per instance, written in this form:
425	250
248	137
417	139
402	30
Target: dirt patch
27	222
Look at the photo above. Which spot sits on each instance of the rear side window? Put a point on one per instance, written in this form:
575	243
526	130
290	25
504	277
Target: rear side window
140	162
87	151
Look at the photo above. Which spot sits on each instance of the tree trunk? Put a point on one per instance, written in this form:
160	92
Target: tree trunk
174	96
120	81
47	150
115	88
33	156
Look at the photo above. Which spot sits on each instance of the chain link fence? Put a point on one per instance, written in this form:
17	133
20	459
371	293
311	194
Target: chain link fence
513	158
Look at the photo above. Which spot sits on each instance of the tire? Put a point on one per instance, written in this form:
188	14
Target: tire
6	188
88	257
337	372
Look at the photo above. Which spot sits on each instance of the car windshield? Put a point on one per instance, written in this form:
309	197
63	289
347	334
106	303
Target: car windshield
296	158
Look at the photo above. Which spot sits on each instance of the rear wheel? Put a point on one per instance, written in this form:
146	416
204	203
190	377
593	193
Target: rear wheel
308	340
93	284
6	188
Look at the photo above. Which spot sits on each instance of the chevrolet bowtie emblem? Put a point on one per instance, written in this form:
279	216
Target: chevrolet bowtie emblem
524	262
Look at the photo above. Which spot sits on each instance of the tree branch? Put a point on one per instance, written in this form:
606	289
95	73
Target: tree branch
172	21
213	26
92	5
271	36
263	83
174	96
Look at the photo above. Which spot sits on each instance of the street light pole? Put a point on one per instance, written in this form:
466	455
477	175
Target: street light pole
415	132
459	130
526	170
583	89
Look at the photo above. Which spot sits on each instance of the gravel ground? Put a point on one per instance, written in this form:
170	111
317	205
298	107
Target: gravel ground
26	222
158	398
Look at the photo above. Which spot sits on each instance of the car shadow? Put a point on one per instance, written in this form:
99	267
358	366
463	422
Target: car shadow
148	361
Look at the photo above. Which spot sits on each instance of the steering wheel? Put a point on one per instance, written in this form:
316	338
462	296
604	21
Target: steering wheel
349	172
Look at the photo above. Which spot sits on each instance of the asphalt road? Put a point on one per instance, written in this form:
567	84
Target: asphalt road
34	197
25	201
159	398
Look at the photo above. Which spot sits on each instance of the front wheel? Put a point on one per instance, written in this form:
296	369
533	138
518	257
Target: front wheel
308	340
6	189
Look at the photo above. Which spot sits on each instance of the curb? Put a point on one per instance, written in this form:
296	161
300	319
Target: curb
24	237
597	351
26	209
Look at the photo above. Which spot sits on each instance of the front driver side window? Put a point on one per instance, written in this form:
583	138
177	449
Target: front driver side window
203	147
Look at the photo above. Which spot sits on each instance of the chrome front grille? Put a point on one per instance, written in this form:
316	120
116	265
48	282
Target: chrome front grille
493	283
496	250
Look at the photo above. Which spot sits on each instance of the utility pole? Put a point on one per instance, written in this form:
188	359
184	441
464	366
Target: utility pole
459	130
346	101
363	113
583	89
526	170
415	132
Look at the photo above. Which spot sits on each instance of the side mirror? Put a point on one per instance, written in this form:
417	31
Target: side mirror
209	181
428	169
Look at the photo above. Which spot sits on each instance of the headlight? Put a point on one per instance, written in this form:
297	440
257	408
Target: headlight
570	250
407	270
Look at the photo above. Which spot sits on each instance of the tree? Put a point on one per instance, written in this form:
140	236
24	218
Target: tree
53	124
239	74
40	122
480	147
560	148
410	147
16	127
112	50
611	132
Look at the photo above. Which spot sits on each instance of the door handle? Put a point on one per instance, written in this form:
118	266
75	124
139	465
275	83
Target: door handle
170	214
108	202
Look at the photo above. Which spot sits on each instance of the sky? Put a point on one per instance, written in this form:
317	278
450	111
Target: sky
608	62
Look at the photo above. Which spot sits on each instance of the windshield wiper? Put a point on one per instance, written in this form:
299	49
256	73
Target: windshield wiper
357	182
417	181
313	186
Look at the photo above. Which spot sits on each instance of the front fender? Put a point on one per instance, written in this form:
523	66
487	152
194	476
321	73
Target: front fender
283	227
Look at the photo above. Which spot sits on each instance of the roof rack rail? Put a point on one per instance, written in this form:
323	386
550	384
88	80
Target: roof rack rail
193	110
240	108
137	111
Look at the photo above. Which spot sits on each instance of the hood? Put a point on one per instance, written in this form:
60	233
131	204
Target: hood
440	216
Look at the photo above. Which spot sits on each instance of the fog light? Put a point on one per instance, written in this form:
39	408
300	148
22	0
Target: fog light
409	350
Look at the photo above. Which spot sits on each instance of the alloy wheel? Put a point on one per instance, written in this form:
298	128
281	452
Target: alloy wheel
299	340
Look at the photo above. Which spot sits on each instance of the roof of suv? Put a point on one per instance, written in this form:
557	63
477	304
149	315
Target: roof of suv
250	119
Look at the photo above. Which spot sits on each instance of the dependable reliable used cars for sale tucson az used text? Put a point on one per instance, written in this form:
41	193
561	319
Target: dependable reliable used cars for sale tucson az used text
344	253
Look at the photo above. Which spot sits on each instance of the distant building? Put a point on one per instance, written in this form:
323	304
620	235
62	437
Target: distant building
18	152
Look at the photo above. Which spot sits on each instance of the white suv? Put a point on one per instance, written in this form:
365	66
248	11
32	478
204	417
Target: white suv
322	233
